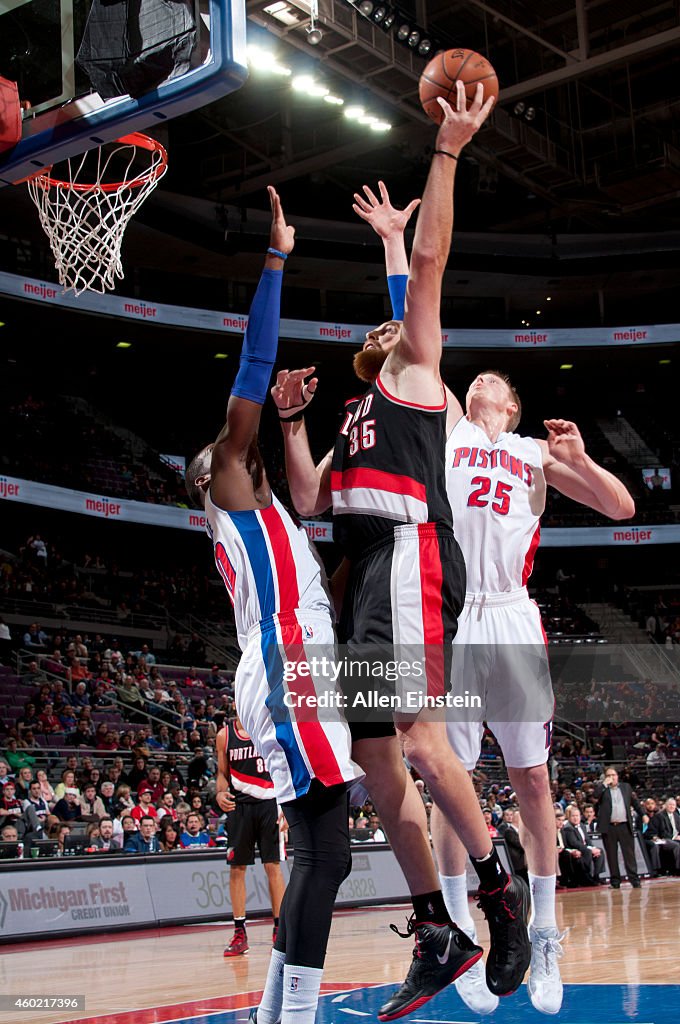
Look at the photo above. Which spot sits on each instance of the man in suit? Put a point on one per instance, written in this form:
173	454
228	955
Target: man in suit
615	822
663	834
589	819
587	861
509	830
144	841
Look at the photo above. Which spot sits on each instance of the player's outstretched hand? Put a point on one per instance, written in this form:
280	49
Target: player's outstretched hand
460	124
565	443
380	214
292	393
282	235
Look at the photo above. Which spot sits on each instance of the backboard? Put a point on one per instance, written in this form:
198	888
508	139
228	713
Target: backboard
39	40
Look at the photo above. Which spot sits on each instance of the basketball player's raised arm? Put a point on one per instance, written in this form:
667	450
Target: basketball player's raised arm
229	471
389	224
309	484
421	342
570	470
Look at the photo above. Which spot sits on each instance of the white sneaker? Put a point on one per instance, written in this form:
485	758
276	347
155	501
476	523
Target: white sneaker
472	987
545	984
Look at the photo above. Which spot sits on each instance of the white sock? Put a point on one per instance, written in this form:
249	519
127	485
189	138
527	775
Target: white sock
300	994
542	901
454	891
269	1010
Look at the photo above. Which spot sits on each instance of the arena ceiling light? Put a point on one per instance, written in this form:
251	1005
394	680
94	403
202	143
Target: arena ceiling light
407	32
124	344
221	355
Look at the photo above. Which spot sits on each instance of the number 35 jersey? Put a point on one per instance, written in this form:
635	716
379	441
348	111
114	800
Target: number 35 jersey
497	495
387	469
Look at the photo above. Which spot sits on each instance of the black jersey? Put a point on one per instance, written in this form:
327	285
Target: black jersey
249	778
388	468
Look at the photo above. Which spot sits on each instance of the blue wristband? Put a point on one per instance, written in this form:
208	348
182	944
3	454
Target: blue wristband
277	252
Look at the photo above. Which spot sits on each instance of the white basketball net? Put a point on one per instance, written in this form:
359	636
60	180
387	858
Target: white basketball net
85	223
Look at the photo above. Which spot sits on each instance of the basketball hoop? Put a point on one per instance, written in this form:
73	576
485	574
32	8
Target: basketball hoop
85	222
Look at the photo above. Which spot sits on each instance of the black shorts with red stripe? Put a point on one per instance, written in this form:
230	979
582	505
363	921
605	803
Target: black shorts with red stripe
253	823
402	603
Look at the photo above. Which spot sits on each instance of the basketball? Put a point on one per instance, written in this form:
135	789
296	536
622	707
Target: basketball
441	74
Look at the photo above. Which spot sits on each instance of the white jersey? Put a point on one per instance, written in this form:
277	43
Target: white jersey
497	495
267	564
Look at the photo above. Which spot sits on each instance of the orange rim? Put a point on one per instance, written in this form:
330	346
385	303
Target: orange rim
45	179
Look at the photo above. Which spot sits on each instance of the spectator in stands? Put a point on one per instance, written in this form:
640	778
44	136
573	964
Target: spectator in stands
29	719
374	824
79	697
145	840
127	823
10	805
169	836
663	836
194	834
153	783
9	834
22	782
124	801
4	773
589	819
91	806
587	859
68	780
46	790
509	831
68	808
214	680
35	638
37	802
162	740
48	721
5	642
488	820
107	795
657	758
34	674
145	807
81	736
166	808
106	840
17	759
67	719
147	654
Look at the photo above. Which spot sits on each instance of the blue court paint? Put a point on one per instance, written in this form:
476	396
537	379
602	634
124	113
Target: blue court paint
583	1004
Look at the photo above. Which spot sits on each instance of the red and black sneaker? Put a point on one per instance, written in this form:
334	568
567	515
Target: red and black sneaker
442	953
507	911
238	945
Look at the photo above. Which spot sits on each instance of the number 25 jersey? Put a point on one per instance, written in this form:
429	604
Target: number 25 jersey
497	495
387	469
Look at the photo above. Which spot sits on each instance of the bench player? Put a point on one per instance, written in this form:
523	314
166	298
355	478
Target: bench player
496	483
280	603
253	819
386	482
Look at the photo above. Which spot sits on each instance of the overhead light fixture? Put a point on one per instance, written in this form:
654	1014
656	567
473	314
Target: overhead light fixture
524	112
664	362
309	86
366	8
548	298
283	13
530	114
314	33
354	113
389	20
519	108
379	13
403	32
367	119
384	126
425	47
567	366
336	101
413	38
538	312
221	355
124	344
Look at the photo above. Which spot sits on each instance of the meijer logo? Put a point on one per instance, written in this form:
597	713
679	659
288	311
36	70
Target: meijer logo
531	338
196	520
41	290
140	309
634	535
237	323
102	506
632	334
336	331
8	490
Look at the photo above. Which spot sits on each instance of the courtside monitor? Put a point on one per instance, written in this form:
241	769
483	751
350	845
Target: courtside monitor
62	116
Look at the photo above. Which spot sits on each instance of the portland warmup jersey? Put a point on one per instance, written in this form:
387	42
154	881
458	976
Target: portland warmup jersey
497	495
387	469
249	777
267	564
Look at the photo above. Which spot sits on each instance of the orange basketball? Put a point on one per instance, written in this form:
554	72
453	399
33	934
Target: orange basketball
441	74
